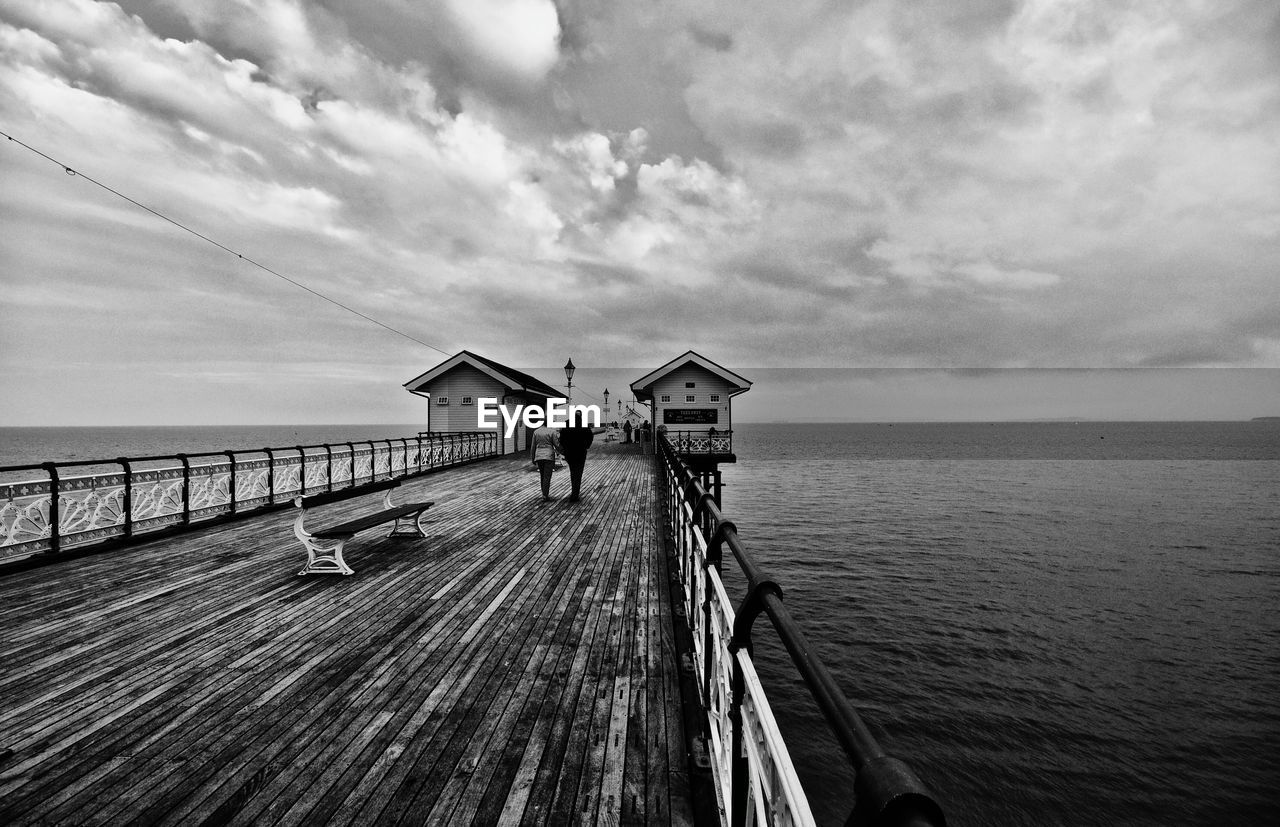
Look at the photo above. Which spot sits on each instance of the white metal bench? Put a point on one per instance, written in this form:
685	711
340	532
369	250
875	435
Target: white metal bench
324	547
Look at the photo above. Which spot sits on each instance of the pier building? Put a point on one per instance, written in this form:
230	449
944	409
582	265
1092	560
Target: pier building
454	387
690	400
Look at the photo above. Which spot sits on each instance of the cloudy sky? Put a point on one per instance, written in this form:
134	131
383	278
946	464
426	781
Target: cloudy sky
979	184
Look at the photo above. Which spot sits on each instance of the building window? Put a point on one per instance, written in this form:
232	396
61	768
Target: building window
466	400
442	400
666	397
715	397
688	397
691	384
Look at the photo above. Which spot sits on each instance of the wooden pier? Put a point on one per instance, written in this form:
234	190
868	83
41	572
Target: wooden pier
517	666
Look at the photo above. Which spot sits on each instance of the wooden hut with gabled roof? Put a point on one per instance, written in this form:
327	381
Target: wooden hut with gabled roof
690	397
455	386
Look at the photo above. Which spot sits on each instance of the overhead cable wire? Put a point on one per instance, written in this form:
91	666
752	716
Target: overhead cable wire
223	247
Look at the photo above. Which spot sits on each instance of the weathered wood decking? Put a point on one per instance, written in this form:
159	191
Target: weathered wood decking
517	666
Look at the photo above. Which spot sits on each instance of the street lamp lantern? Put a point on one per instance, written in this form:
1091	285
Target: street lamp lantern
568	375
606	405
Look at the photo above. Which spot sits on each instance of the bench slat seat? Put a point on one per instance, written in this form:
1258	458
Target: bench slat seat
324	547
353	527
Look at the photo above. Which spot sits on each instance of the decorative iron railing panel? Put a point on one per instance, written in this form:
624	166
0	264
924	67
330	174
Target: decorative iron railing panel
754	775
147	494
24	516
701	442
253	484
209	490
317	470
91	508
341	465
288	479
157	498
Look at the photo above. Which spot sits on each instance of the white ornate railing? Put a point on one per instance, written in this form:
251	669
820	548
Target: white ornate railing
754	776
772	793
70	508
701	442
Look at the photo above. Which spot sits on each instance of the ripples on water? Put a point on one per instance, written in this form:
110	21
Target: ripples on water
1045	641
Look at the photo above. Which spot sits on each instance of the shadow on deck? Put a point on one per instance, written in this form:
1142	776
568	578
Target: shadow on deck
516	666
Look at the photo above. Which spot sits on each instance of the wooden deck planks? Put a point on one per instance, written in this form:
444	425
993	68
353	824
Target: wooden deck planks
516	666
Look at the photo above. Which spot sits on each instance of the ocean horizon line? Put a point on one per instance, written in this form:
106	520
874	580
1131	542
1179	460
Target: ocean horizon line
787	421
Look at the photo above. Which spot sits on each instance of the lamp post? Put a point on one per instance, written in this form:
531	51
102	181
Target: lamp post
568	375
606	407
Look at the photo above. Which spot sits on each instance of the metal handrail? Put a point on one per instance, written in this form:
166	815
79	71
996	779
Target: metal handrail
45	516
886	792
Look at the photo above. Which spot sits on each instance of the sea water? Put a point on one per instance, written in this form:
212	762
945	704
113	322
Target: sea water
1051	623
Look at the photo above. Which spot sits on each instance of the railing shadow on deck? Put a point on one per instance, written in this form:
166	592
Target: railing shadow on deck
754	773
89	505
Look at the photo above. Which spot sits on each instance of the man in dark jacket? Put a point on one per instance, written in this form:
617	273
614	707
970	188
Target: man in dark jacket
574	442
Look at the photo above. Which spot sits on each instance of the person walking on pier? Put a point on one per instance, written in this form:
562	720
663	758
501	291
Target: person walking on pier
542	450
575	439
626	431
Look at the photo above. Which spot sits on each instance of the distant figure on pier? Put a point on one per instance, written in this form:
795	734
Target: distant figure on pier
626	432
575	439
542	450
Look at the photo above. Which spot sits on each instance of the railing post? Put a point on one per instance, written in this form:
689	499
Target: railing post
231	478
55	508
752	606
186	488
351	461
698	498
739	772
126	502
715	556
271	476
328	460
302	470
